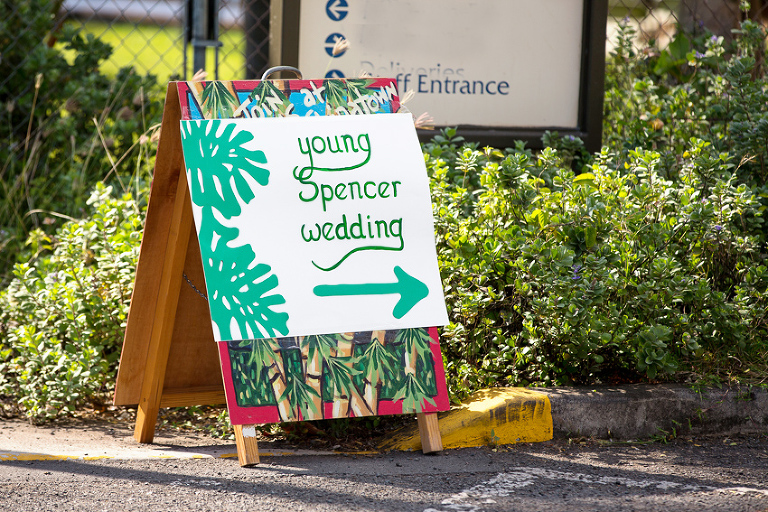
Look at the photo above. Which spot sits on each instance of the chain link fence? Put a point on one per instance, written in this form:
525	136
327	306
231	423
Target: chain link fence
657	21
156	37
161	36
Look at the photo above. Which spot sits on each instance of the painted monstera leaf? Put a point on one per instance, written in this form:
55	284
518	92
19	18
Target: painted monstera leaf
241	297
242	293
214	157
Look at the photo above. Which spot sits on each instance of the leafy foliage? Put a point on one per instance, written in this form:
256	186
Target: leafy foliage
645	261
558	278
66	125
63	316
697	87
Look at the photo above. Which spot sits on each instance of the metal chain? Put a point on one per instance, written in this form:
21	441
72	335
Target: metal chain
194	287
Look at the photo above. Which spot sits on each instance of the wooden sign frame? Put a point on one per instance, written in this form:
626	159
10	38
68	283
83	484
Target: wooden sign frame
169	321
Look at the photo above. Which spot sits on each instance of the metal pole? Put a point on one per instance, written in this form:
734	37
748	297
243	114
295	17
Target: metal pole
199	25
213	34
256	24
187	36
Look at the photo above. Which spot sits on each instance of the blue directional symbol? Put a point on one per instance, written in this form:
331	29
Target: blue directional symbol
334	73
337	10
330	42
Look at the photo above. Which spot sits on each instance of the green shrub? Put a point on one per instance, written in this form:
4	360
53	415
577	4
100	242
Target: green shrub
696	87
63	316
556	278
66	125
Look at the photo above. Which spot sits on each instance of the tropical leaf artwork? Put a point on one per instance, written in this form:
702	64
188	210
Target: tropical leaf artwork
300	397
217	101
377	363
335	94
338	375
241	292
358	88
269	100
415	350
278	98
413	394
353	96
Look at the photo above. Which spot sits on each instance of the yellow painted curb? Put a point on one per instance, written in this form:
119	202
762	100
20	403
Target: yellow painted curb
488	417
34	457
28	457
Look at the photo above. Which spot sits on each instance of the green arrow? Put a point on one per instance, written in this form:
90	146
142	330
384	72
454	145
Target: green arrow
411	291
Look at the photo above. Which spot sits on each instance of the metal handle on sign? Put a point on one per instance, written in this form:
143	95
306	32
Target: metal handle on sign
277	69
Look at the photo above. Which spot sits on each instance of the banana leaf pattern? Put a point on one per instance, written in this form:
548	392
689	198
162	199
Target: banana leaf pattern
309	377
317	379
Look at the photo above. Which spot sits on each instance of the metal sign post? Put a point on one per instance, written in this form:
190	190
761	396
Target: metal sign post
201	31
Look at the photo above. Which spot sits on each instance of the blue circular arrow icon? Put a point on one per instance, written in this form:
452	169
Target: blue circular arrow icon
337	10
334	73
330	41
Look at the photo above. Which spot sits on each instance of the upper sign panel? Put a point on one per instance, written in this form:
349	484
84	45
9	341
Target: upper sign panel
470	62
313	225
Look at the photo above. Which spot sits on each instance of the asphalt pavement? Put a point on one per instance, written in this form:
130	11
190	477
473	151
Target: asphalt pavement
725	474
617	449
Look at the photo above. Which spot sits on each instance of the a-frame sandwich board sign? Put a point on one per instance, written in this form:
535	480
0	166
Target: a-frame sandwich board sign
169	358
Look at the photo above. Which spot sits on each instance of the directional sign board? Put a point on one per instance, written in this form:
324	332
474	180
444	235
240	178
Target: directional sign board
328	221
300	226
313	254
500	70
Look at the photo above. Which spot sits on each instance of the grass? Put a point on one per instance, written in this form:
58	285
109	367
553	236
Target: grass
159	50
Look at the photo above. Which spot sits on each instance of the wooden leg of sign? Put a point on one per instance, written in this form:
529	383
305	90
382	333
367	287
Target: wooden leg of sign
247	446
429	432
165	315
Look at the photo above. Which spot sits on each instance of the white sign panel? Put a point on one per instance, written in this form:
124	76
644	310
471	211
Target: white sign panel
313	225
471	62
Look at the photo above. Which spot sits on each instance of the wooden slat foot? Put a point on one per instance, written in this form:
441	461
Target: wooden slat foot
431	441
247	446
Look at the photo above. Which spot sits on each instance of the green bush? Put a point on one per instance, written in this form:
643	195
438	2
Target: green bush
695	88
63	316
66	125
646	261
557	278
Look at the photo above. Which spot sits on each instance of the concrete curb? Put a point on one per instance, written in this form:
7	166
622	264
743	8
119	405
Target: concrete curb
645	411
635	412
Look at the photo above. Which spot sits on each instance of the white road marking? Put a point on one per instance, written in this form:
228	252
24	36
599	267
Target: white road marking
203	483
505	484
